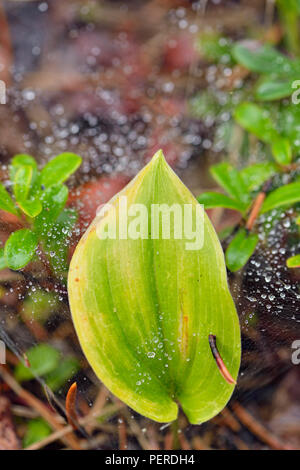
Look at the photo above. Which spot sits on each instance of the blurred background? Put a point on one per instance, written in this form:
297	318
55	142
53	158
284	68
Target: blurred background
114	81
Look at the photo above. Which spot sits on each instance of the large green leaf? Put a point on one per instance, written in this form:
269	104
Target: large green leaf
240	249
60	168
283	196
144	306
20	248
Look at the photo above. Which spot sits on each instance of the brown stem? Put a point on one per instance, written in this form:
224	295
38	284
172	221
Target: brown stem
220	363
258	429
43	410
71	406
175	428
258	202
122	431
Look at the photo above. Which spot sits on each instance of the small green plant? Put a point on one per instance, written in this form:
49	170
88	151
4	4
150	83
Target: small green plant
267	127
38	199
252	191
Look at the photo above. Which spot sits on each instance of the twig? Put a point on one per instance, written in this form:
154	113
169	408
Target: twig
258	202
153	438
100	400
184	445
240	444
42	410
98	405
227	418
258	429
171	441
175	431
168	441
8	437
82	421
122	431
199	444
24	412
134	427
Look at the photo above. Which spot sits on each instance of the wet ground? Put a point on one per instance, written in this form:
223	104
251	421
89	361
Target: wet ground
112	81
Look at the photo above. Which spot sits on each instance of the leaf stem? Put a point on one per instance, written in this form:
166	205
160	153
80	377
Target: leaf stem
258	202
175	429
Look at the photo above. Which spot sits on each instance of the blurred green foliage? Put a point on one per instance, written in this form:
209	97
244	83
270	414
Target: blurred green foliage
45	361
257	107
37	429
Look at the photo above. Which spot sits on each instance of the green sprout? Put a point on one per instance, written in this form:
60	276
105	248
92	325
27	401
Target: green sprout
38	199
